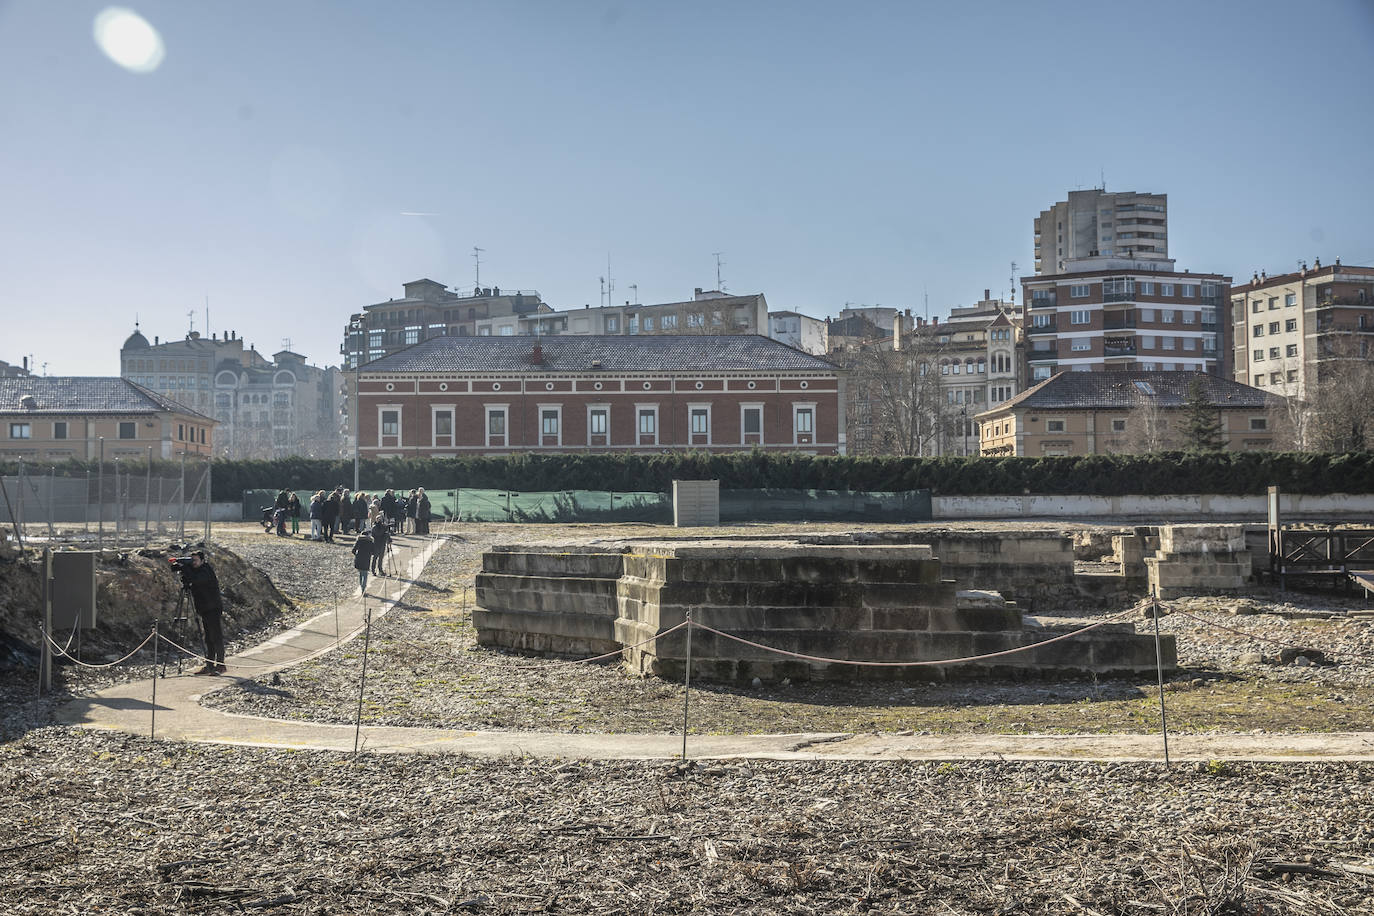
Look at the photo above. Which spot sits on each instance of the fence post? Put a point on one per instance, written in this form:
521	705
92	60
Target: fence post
152	724
100	499
362	682
148	497
52	482
181	502
209	479
20	488
687	686
86	510
1159	670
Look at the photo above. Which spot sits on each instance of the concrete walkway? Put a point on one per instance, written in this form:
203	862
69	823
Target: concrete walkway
180	716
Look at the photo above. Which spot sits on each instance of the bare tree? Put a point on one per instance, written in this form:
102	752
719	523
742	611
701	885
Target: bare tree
1147	427
1342	406
896	405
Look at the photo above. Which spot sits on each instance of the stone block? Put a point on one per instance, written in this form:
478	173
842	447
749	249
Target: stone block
972	619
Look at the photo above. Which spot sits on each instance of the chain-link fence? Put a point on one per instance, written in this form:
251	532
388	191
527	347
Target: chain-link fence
109	503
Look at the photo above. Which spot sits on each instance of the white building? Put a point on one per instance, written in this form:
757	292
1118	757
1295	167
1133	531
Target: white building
1099	223
800	331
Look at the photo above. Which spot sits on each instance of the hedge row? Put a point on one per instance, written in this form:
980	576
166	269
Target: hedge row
1231	473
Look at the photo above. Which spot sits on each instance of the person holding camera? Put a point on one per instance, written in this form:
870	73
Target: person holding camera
364	552
381	537
198	577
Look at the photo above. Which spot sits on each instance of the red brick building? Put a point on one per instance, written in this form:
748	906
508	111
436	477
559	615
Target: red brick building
454	396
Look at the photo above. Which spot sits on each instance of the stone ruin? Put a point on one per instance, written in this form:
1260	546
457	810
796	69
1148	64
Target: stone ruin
852	602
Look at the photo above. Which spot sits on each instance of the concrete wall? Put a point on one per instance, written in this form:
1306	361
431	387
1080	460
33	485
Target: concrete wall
1328	506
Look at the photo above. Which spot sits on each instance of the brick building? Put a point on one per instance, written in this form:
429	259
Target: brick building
453	396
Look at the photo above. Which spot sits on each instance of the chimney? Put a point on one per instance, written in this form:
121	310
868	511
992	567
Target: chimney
1338	263
537	356
1263	276
697	291
987	294
1317	264
896	332
154	340
26	364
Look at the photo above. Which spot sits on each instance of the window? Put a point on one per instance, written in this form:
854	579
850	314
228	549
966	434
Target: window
443	422
751	422
1291	324
598	421
496	425
1292	350
1054	426
1118	426
391	422
1273	327
24	431
1189	291
612	324
1259	380
696	320
1292	375
548	422
1147	288
181	432
648	421
699	421
411	336
1190	343
126	431
59	430
1273	352
1166	289
1290	299
1081	344
1255	306
669	322
632	324
1079	316
1167	343
1147	314
804	423
1167	316
1257	331
1040	320
1079	290
648	322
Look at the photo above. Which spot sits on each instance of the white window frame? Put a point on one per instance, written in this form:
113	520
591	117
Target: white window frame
594	409
434	411
744	409
1080	290
557	410
504	411
19	430
691	409
798	408
1080	316
1063	425
400	424
641	409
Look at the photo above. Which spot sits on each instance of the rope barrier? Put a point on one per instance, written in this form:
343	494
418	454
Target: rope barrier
537	666
62	653
942	661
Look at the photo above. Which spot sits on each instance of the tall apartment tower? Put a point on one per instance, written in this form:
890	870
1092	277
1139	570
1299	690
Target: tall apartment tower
1097	223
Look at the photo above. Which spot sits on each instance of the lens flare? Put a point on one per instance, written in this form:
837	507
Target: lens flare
128	40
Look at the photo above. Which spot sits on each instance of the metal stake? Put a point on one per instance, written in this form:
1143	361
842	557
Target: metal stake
1159	670
152	724
687	686
148	496
362	682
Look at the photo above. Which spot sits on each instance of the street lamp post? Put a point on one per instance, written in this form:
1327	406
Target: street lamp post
357	392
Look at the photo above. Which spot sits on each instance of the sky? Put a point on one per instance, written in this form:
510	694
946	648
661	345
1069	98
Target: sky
286	163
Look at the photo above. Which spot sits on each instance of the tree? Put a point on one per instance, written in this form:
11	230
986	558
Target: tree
895	404
1147	428
1201	429
1343	403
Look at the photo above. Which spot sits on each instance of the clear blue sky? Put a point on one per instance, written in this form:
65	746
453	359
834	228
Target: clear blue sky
862	152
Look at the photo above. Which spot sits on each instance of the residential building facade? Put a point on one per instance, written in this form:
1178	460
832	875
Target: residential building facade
11	371
1119	314
266	408
57	418
1095	413
707	312
1099	223
801	331
452	396
430	309
1289	330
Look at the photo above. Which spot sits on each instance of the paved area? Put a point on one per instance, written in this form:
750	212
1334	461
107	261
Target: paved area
176	714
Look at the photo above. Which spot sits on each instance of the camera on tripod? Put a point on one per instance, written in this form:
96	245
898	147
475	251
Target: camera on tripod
180	563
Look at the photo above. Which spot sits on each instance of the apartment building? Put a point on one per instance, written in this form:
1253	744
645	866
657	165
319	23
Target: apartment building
1290	329
801	331
266	408
1112	313
431	309
707	312
56	418
1095	413
1099	223
453	396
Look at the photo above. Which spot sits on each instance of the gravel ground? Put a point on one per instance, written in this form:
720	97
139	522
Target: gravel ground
425	668
122	824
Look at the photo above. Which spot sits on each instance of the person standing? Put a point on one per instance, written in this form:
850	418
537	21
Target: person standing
359	510
363	549
381	537
293	508
330	515
375	514
203	584
345	511
422	512
412	503
317	516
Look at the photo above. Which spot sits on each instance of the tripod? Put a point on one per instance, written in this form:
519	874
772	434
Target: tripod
181	625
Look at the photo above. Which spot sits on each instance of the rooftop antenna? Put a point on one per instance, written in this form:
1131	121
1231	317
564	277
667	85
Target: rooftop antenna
192	315
207	314
926	293
286	343
634	288
477	266
1013	282
720	288
610	282
1102	177
602	300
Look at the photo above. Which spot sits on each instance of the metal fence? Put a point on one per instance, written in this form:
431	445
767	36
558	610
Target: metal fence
114	503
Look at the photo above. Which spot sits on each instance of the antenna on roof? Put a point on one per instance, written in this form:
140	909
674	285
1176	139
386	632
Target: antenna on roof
1013	282
610	282
634	287
477	266
720	287
286	343
191	315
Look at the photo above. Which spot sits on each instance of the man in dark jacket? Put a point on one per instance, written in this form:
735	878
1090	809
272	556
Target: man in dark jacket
381	537
203	584
363	549
359	511
330	515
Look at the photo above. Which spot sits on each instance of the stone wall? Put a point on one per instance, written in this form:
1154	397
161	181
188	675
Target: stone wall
1198	560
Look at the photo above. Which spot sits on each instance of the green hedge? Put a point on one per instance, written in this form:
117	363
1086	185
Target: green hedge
1093	475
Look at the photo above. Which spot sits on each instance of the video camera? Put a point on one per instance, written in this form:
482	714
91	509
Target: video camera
181	563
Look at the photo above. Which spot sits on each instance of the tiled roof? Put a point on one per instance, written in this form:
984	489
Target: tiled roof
59	394
575	353
1123	390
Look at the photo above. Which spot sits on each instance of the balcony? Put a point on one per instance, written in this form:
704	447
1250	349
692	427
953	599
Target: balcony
1041	353
1041	299
1121	348
1111	322
1209	325
1047	328
1119	297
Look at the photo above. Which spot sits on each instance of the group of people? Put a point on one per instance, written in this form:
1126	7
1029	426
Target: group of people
341	511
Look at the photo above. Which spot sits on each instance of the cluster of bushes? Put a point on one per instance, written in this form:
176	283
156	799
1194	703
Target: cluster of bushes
1231	473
